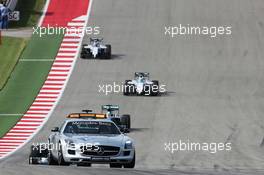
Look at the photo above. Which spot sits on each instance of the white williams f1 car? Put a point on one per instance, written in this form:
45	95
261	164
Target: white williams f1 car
96	49
141	85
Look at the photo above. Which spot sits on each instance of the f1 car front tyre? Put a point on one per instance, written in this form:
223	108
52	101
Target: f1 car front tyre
34	152
132	163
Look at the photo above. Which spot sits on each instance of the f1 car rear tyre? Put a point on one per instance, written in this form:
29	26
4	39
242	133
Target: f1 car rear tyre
132	163
30	161
115	165
34	151
108	51
86	53
125	120
155	88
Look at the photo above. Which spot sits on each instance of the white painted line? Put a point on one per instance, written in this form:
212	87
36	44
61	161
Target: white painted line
71	40
59	82
64	59
10	114
69	44
19	134
47	90
83	17
21	130
58	72
36	60
6	141
62	64
16	138
52	86
35	111
44	13
66	54
73	24
35	115
28	118
39	107
28	123
60	68
1	146
57	76
26	127
47	96
42	103
74	34
68	49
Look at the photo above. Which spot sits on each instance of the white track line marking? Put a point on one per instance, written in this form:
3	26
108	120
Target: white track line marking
35	60
10	114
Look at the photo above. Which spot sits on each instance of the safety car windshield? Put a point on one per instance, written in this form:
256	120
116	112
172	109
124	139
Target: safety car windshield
90	127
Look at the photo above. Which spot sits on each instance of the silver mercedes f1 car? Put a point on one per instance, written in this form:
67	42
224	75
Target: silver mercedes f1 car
96	49
141	85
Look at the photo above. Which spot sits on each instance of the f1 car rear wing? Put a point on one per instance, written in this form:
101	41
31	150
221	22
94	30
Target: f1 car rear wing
144	74
96	39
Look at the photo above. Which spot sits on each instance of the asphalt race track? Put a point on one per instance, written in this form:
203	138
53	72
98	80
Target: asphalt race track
215	89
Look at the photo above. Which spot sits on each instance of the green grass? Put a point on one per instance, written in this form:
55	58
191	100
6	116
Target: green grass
27	79
30	12
8	57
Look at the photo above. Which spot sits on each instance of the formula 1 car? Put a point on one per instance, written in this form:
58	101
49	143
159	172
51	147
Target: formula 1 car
112	112
38	154
89	138
141	85
96	49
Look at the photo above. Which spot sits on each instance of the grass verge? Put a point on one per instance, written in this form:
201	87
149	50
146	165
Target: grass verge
8	57
27	79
